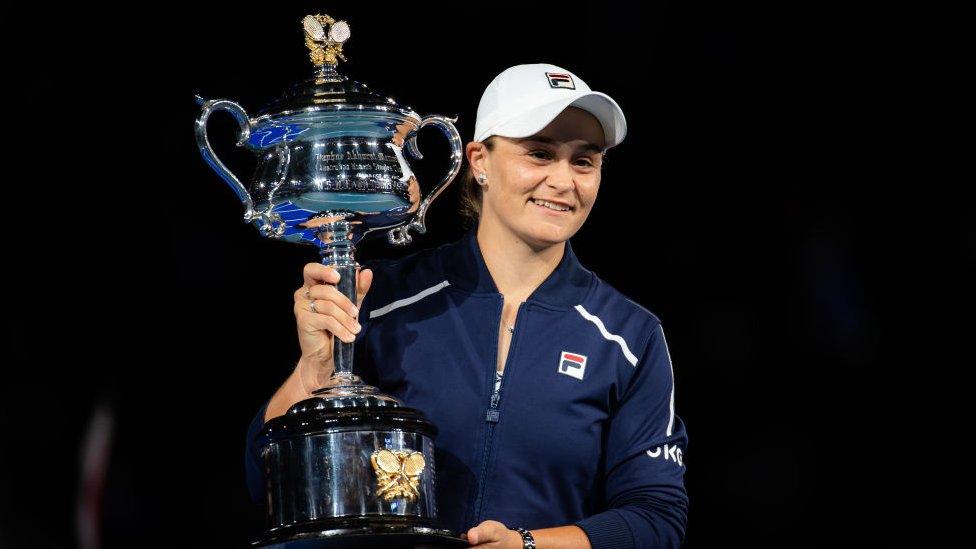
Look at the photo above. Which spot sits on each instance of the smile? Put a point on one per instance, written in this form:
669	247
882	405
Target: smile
551	206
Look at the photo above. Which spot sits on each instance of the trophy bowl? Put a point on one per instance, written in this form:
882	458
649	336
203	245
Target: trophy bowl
349	466
331	162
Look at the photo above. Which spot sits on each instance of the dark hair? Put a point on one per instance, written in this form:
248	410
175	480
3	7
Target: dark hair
470	198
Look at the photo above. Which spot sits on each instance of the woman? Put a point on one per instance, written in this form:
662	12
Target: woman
553	393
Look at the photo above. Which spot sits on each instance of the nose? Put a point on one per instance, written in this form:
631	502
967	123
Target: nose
562	177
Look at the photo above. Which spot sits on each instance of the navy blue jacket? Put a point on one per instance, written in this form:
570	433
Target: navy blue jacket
583	430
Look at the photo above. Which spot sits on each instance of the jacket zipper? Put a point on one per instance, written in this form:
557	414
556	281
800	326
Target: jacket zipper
491	415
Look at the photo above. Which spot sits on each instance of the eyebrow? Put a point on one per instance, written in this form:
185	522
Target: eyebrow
550	141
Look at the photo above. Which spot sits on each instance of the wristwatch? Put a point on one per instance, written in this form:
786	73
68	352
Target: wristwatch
528	542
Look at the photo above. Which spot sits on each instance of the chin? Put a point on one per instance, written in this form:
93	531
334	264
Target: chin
548	236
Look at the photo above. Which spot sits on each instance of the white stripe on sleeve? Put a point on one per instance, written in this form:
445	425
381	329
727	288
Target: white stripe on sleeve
408	300
665	341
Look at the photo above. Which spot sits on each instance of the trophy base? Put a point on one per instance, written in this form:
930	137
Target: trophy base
358	533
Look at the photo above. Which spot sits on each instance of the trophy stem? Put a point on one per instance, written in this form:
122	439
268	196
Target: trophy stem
340	255
326	71
342	353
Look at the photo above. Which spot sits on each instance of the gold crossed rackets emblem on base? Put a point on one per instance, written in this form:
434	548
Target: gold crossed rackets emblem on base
397	473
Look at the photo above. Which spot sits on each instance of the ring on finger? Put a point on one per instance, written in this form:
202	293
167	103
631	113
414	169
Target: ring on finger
311	306
308	293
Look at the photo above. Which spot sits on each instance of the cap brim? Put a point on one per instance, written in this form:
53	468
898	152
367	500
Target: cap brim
535	119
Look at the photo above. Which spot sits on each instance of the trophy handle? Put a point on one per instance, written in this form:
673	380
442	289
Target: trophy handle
401	235
210	107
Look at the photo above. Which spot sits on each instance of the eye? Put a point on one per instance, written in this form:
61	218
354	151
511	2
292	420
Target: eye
584	162
540	154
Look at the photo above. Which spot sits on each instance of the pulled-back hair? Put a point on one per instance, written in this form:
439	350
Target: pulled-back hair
470	197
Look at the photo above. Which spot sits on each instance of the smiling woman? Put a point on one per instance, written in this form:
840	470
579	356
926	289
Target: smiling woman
552	391
542	187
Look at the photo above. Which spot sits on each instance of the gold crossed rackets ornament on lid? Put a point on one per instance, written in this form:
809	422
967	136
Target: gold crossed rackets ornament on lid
397	473
324	37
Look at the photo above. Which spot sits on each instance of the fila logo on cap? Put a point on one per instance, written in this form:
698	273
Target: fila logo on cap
560	80
571	364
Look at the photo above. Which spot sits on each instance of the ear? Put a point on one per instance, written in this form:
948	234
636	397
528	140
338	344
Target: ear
477	155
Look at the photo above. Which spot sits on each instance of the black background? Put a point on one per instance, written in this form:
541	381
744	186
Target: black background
789	200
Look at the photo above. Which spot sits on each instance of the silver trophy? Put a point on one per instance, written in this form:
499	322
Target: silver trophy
350	465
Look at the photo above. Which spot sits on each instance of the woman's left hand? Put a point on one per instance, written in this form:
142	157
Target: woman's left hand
492	533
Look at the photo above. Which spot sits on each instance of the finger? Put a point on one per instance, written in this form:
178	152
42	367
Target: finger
317	273
363	283
488	531
315	322
349	322
475	536
332	294
301	293
330	308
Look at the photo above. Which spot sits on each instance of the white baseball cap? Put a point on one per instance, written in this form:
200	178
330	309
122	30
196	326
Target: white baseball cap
524	99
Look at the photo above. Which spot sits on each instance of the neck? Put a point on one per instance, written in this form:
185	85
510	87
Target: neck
516	267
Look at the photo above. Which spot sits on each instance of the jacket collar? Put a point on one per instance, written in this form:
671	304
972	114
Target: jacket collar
565	287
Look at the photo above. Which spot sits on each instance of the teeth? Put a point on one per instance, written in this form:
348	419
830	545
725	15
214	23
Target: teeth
550	205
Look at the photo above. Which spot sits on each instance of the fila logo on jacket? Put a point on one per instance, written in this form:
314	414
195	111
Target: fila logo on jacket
572	364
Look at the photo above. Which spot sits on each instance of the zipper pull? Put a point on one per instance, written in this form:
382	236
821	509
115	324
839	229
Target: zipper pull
492	415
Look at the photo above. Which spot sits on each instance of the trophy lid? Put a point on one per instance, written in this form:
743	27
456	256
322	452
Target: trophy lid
311	419
327	90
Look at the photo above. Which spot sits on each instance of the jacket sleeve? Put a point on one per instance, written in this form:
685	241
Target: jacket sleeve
362	366
253	466
647	504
